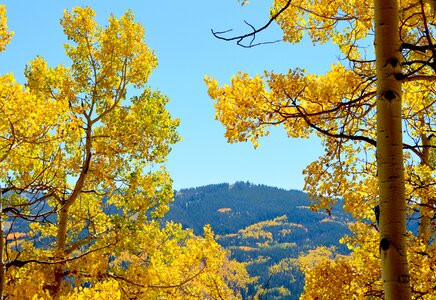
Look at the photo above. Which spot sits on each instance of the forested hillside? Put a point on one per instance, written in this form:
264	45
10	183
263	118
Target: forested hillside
266	227
86	136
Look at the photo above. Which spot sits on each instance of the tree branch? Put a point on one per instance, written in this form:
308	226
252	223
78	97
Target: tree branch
240	39
330	134
20	263
431	78
170	286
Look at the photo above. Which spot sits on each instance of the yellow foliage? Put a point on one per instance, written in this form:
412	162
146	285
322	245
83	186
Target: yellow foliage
358	276
108	289
224	210
5	34
340	108
86	166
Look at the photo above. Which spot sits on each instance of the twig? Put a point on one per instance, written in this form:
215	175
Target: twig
240	39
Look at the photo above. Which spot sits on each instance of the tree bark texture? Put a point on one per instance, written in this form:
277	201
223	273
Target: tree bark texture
425	212
2	251
390	153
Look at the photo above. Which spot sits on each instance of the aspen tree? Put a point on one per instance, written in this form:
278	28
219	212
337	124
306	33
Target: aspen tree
83	149
392	200
357	109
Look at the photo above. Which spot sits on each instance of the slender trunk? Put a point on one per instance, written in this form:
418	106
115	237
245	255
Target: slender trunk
63	215
60	251
390	153
2	251
424	211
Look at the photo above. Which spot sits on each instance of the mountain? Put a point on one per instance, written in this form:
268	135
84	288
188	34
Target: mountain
265	227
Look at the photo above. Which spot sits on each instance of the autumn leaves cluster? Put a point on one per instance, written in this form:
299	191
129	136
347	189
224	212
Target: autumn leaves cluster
342	107
83	177
82	164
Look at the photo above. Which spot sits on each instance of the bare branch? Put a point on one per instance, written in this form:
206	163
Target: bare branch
241	38
20	263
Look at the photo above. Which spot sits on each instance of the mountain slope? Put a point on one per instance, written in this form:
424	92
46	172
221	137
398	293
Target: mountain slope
266	227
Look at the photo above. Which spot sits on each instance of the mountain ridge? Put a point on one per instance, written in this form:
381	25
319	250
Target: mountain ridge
262	226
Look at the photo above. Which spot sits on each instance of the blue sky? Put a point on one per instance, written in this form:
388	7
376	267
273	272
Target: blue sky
179	32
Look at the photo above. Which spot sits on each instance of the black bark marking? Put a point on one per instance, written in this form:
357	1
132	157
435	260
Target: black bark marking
384	244
399	76
393	62
389	95
404	278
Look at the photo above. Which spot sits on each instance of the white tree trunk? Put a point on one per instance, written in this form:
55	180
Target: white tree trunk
2	251
390	153
424	232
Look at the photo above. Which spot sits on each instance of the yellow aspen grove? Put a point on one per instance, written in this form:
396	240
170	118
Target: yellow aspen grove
5	34
392	199
4	40
83	168
22	132
374	115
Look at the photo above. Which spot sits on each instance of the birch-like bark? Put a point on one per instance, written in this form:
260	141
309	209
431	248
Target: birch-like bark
2	251
425	212
390	153
63	216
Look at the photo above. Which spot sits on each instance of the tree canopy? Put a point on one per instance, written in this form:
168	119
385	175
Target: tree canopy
83	151
340	108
